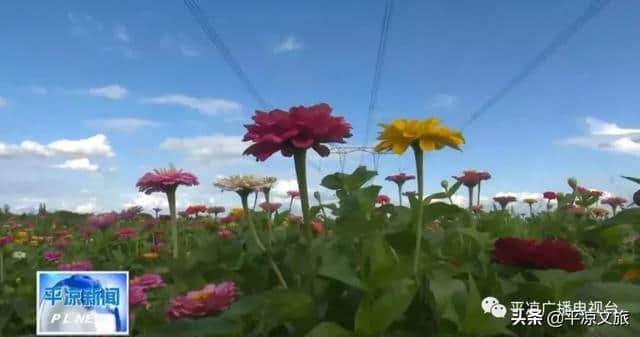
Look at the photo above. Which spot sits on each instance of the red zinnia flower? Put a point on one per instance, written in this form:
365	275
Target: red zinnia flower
148	281
5	240
61	244
299	128
550	254
504	200
196	304
195	210
125	233
317	227
224	232
227	219
137	296
550	195
399	178
382	199
165	180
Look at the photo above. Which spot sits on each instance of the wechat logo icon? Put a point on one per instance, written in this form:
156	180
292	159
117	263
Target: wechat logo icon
491	305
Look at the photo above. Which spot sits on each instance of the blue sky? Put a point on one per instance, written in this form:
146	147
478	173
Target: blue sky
133	86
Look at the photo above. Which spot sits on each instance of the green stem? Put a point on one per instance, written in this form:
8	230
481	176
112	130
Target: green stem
269	221
478	200
274	266
1	265
300	161
400	194
171	197
290	204
470	198
419	225
252	228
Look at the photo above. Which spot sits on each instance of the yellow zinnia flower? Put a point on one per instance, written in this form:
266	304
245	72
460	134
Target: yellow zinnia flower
530	201
237	212
428	134
22	234
150	255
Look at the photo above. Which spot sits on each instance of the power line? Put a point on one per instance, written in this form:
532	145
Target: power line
215	38
560	39
382	47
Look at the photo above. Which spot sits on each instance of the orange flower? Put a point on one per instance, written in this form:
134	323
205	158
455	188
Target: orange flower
150	255
631	274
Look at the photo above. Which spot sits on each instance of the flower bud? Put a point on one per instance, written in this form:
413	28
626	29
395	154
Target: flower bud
444	184
573	182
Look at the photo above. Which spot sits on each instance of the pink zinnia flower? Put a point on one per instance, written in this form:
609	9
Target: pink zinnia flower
83	265
165	180
614	201
86	231
125	233
550	195
299	128
130	213
227	219
215	210
148	281
270	206
224	232
137	296
52	256
470	178
5	240
293	194
317	227
596	194
104	220
197	304
382	199
400	178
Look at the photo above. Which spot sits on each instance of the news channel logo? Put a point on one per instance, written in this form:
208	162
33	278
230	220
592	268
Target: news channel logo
82	303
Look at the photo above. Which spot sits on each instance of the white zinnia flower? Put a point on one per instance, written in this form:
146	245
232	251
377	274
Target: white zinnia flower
19	255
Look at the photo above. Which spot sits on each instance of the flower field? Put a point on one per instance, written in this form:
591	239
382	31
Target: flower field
373	263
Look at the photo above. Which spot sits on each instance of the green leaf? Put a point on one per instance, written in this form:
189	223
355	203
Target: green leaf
376	313
349	182
635	180
440	209
328	329
627	216
244	306
340	271
205	327
454	188
444	290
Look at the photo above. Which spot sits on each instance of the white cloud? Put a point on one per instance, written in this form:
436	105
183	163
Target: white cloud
444	101
121	124
282	186
149	201
208	148
92	146
80	164
85	208
290	43
606	136
111	91
207	106
120	33
3	102
82	24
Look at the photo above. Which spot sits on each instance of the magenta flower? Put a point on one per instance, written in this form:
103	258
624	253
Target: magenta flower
83	265
148	281
614	203
210	300
137	296
399	178
504	200
299	128
167	181
270	207
382	199
52	256
293	194
5	240
104	220
216	210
